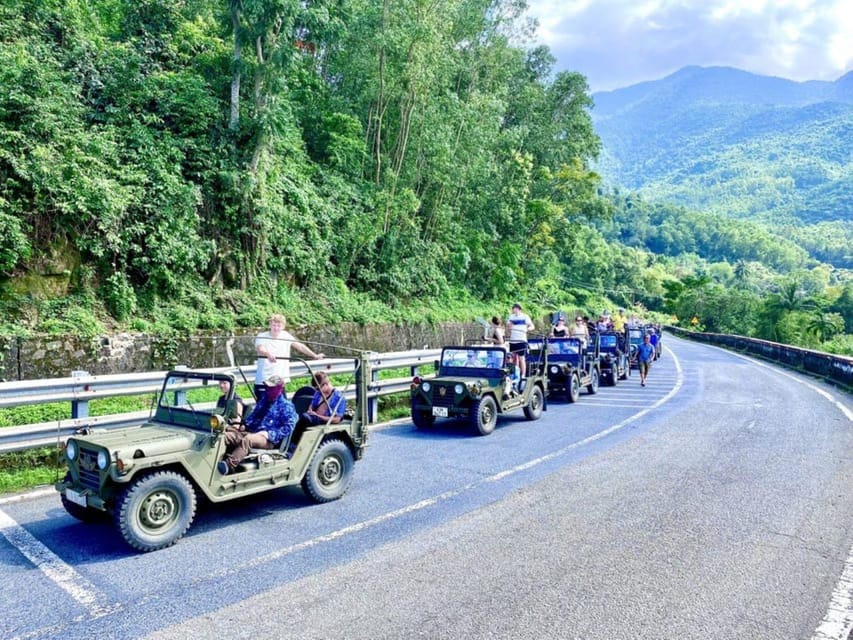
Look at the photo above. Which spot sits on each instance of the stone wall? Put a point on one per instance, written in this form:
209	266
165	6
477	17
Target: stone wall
57	356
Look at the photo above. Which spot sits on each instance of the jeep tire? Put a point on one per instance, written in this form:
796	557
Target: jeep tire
330	472
533	410
83	514
484	415
594	380
573	388
155	510
422	419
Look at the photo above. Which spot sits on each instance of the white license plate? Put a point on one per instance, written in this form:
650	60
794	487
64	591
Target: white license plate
441	412
76	498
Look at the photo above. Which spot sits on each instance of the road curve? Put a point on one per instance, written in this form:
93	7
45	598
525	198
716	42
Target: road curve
714	503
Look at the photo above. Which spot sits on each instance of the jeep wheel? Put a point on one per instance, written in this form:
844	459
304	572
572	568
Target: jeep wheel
614	377
83	514
592	387
573	389
533	410
422	419
329	474
484	415
155	510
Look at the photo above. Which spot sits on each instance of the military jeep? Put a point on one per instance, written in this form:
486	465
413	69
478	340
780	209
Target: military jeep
613	356
149	478
572	363
476	384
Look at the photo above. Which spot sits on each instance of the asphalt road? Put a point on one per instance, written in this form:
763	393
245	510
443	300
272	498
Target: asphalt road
717	502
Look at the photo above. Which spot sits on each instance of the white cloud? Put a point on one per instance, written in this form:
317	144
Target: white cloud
620	42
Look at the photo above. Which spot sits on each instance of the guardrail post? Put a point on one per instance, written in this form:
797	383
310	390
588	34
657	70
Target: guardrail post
79	408
373	403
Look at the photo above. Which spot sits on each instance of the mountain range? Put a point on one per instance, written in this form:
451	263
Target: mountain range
725	141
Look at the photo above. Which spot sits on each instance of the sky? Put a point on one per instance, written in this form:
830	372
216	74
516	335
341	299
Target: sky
617	43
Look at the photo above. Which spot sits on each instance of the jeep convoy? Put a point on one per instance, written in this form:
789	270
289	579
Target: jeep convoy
149	478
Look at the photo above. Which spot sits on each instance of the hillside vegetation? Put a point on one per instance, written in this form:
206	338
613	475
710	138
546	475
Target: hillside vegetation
192	164
727	142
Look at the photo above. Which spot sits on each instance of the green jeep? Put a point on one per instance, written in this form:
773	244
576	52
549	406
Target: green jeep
476	383
148	478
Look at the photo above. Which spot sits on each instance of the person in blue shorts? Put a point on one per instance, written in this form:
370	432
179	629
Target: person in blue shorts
645	355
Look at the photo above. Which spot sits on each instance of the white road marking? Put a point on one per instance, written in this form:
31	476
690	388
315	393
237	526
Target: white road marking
58	572
837	624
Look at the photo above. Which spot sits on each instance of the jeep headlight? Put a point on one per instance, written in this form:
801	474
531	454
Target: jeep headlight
458	389
426	386
217	423
103	460
71	450
555	369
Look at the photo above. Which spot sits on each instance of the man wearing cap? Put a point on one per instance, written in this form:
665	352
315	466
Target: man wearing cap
270	422
517	326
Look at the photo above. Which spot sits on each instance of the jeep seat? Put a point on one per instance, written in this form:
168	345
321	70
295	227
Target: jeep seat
302	399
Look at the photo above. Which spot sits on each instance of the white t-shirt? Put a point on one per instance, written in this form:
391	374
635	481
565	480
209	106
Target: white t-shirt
519	324
280	348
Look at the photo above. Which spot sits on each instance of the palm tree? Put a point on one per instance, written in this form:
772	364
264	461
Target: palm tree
825	325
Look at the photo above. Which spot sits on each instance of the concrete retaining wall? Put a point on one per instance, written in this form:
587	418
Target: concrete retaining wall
57	356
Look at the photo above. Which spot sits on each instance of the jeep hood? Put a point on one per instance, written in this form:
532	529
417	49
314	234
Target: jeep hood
151	439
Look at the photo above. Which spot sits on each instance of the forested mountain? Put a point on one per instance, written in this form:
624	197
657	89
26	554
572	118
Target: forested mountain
725	141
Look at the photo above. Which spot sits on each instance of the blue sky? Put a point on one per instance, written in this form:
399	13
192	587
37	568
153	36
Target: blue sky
616	43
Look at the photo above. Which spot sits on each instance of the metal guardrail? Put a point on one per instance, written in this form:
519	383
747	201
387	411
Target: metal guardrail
80	388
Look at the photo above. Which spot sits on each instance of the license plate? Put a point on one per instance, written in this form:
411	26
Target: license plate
441	412
76	498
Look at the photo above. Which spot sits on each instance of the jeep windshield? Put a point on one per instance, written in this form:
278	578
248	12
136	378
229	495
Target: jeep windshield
608	342
472	361
560	349
188	398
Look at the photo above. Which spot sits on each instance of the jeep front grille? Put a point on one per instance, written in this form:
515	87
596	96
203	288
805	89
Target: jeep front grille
440	399
87	467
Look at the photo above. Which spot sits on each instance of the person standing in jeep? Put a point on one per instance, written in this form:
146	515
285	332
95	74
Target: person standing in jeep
517	326
273	349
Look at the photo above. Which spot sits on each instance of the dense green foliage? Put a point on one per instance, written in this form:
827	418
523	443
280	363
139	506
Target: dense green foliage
401	149
167	166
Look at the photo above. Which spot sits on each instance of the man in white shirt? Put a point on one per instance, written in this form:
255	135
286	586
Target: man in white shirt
273	349
517	326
